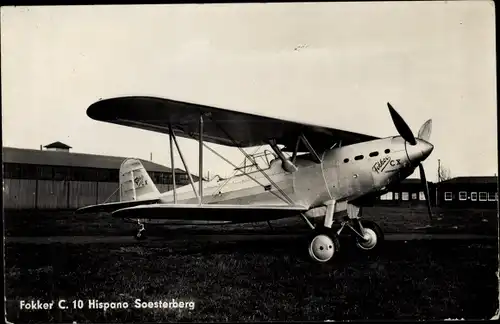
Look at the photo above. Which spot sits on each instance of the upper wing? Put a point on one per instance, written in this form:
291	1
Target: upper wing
211	212
220	126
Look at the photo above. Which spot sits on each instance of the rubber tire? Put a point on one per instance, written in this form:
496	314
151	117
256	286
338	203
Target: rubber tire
140	235
378	231
332	234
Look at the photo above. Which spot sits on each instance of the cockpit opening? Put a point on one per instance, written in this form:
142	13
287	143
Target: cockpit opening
261	160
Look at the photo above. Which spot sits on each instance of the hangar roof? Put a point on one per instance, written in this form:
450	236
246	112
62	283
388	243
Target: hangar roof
414	181
471	180
62	158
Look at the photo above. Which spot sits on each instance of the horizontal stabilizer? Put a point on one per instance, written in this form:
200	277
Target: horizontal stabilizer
211	212
110	207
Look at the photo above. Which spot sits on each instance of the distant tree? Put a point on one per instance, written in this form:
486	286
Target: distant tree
444	173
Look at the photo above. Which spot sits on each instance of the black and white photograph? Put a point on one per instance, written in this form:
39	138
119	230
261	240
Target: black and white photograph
250	162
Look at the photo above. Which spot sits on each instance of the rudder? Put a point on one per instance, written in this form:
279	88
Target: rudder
135	182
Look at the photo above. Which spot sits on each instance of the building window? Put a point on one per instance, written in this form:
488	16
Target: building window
114	176
386	196
396	196
28	171
404	196
491	196
84	174
45	172
61	173
168	179
473	196
413	196
483	196
421	195
373	154
162	178
104	175
462	195
91	174
12	171
359	157
154	177
448	196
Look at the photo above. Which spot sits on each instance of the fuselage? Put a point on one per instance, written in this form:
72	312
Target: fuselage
345	174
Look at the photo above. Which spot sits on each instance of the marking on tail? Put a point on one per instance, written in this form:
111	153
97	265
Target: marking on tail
135	182
140	181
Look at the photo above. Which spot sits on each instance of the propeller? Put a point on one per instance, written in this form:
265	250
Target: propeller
424	133
402	127
426	191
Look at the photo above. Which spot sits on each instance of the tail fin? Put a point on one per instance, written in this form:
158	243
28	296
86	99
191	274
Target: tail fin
135	182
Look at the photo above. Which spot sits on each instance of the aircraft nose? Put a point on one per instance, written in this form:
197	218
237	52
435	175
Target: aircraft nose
426	149
419	152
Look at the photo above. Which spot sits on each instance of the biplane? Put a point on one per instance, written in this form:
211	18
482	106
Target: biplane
310	168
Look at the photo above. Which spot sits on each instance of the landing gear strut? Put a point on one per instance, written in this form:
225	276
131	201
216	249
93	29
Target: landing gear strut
140	235
324	244
367	234
372	236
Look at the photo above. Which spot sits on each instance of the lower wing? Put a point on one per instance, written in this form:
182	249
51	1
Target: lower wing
110	207
210	212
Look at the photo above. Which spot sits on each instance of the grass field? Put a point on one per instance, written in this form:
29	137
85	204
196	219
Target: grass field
255	280
391	219
258	279
444	221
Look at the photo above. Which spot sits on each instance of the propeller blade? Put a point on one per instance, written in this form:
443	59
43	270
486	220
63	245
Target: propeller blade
401	126
425	131
426	191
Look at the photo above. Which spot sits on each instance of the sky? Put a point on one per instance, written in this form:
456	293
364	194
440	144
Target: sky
336	64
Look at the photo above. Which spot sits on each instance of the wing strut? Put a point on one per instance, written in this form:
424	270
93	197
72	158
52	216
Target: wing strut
185	164
290	201
172	160
294	156
310	148
234	166
200	155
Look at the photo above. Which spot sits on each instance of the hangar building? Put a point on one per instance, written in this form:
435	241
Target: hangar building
459	192
408	193
56	178
475	192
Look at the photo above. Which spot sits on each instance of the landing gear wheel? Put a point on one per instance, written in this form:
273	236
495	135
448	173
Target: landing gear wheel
323	245
373	236
140	235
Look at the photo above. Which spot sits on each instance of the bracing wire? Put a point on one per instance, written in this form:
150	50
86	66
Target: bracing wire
290	201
